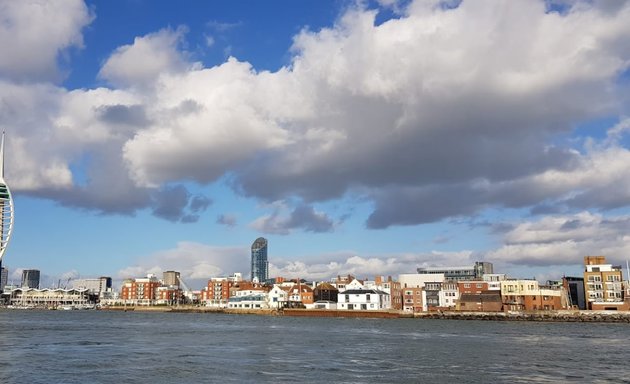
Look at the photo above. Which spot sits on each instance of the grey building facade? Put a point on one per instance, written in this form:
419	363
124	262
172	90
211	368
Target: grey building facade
30	278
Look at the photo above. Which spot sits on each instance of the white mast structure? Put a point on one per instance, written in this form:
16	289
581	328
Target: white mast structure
6	207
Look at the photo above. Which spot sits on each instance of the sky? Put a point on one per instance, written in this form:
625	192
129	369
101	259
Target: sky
359	137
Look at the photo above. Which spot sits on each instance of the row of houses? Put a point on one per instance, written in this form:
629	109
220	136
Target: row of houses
469	288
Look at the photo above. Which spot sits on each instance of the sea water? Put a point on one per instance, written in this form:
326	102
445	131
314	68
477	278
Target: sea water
134	347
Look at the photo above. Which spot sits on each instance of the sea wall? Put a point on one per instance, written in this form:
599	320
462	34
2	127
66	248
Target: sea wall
338	313
190	309
551	316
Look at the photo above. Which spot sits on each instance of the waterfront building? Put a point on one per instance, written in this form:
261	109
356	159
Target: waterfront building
325	304
575	289
300	295
168	295
482	295
244	285
417	280
412	299
355	284
141	291
259	263
449	295
217	292
472	272
431	296
50	298
526	295
393	288
603	288
249	299
363	299
98	286
6	208
325	292
278	297
341	281
30	278
487	301
473	287
494	280
515	292
171	278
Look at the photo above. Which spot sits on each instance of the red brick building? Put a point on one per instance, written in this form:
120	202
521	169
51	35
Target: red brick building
300	293
488	301
472	287
141	291
393	288
169	295
412	299
217	291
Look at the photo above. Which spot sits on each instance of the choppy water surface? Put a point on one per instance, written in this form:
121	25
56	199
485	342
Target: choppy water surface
119	347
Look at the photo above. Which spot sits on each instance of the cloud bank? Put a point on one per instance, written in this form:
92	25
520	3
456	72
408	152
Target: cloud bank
439	112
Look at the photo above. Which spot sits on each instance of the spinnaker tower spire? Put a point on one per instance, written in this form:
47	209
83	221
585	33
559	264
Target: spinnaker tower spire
6	207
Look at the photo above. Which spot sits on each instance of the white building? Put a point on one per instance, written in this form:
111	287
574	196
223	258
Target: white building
356	284
278	297
363	299
494	280
98	286
325	304
249	299
417	280
49	298
449	294
341	281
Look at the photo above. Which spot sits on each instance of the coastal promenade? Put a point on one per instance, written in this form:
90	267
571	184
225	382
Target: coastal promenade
548	316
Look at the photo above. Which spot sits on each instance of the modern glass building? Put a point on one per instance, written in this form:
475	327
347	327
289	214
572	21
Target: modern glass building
6	207
30	278
260	265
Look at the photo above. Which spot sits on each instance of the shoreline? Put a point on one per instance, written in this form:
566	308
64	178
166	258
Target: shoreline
542	316
567	316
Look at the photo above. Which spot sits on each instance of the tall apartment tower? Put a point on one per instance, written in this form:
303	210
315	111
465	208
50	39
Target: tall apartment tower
170	278
6	207
30	278
603	284
260	265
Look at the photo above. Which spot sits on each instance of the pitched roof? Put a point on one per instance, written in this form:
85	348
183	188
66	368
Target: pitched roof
363	291
326	286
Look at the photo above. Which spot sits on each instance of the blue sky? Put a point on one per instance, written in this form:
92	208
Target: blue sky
358	137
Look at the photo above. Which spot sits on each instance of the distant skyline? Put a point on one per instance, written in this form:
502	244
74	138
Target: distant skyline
361	137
